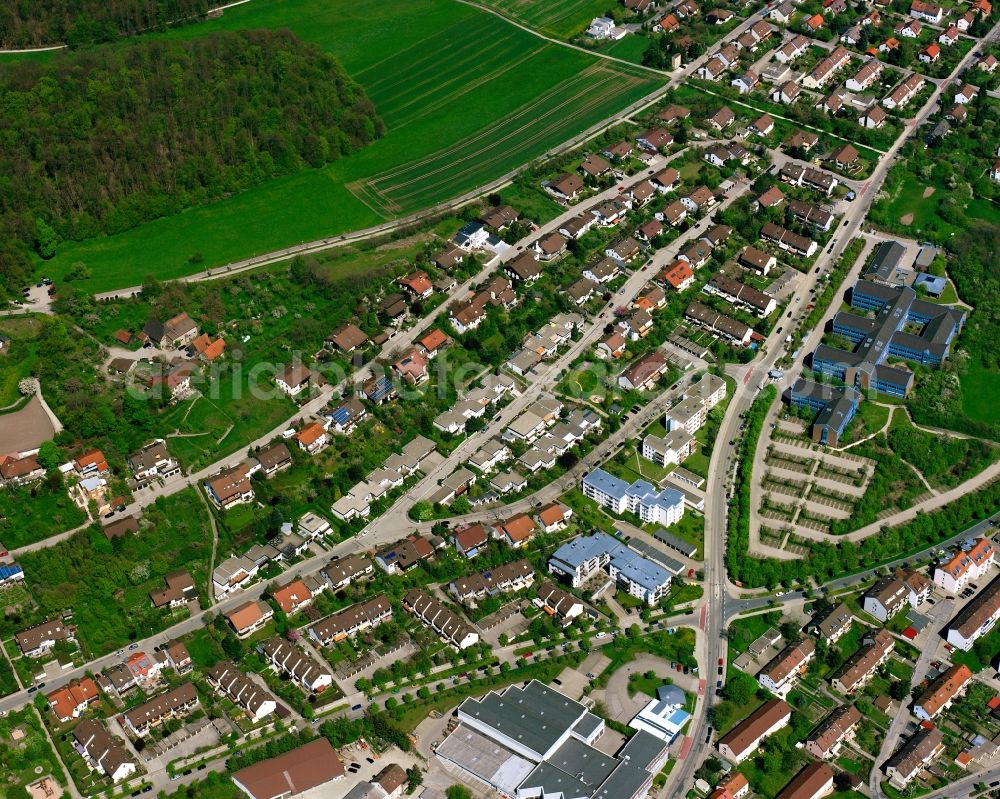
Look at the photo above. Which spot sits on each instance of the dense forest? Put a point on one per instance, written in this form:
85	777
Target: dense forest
37	23
99	141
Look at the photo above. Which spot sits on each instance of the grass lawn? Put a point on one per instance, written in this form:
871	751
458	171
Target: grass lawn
640	683
691	528
908	198
585	380
697	462
945	461
743	632
18	359
500	98
980	387
203	648
31	513
981	654
870	418
630	48
348	262
532	202
223	419
766	782
637	467
687	593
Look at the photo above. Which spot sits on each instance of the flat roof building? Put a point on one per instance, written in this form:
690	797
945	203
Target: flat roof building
660	506
887	265
903	327
835	406
534	741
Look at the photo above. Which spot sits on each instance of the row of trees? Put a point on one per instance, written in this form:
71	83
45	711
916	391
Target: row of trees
97	142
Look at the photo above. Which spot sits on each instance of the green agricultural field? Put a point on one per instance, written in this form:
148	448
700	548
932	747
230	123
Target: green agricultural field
465	95
562	19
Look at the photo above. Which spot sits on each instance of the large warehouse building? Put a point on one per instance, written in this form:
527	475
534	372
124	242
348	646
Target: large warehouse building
533	742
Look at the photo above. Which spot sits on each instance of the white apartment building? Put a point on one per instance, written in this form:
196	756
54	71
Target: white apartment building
966	567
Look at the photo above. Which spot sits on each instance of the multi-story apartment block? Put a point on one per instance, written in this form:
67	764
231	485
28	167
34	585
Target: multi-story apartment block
579	559
743	740
860	667
886	598
781	673
977	618
664	506
940	694
966	566
838	728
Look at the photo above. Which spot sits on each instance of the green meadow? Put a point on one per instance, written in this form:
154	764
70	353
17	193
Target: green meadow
466	97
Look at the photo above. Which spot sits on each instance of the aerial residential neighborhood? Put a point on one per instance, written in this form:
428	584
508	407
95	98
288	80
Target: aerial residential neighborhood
486	400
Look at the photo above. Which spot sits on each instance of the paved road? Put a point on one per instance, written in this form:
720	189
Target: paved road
309	566
717	583
965	787
983	529
672	80
397	519
399	341
551	491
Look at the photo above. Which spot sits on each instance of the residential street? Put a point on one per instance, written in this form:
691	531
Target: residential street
940	615
717	583
722	600
546	376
